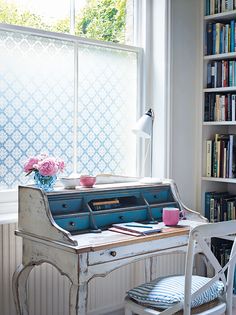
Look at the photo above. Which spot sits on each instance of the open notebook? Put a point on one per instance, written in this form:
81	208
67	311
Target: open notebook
135	228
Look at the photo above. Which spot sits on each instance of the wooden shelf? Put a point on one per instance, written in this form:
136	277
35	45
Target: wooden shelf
230	55
221	16
219	123
220	180
220	89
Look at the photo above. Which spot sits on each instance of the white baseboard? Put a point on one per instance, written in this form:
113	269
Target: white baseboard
116	310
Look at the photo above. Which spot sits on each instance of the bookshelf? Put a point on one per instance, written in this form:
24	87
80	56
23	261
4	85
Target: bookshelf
218	115
219	94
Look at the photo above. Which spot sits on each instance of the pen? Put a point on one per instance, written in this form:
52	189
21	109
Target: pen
139	226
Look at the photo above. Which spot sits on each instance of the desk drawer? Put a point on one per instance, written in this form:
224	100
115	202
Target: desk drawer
65	206
72	223
123	252
158	196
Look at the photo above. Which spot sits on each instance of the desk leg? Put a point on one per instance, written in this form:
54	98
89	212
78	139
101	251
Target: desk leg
19	288
78	299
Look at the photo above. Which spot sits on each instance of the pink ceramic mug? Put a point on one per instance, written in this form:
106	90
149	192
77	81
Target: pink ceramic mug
171	216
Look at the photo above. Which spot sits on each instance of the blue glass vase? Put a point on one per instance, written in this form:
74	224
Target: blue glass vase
45	182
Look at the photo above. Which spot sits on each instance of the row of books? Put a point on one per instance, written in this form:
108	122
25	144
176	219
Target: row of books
218	6
221	249
221	156
221	73
219	107
220	38
114	203
220	206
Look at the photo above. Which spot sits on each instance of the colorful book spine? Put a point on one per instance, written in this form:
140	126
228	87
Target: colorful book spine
209	158
208	197
233	118
232	35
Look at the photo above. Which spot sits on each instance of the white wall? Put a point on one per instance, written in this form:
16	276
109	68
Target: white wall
175	90
184	101
158	86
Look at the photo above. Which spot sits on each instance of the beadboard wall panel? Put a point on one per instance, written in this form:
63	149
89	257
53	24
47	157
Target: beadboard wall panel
49	291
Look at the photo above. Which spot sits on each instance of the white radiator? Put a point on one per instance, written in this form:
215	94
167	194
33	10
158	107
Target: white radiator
48	290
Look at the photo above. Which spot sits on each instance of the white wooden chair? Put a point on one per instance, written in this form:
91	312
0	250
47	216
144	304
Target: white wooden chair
208	296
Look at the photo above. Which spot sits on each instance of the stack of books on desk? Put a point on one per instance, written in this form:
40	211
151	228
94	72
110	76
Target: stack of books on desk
135	228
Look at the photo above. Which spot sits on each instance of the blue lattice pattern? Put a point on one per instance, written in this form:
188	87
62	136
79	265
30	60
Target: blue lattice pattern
107	110
37	106
36	102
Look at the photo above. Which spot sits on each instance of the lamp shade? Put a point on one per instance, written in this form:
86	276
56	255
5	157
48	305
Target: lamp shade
143	127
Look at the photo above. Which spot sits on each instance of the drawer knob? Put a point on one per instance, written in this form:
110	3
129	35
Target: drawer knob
64	205
113	253
72	223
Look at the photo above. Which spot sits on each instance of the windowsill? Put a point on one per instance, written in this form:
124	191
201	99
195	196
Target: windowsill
7	218
8	207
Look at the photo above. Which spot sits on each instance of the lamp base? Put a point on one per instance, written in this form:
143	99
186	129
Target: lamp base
150	180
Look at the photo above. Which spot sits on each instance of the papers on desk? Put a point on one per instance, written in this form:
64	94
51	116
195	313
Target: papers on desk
135	228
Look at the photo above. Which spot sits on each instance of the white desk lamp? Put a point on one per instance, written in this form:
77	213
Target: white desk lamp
144	129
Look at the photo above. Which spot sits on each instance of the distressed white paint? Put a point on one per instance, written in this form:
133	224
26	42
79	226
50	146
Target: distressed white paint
85	256
49	291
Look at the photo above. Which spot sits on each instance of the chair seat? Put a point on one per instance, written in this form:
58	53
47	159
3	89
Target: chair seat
216	307
167	291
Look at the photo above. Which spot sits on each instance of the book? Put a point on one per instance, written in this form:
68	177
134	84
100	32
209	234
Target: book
232	35
232	156
233	108
118	230
208	196
209	158
136	228
209	43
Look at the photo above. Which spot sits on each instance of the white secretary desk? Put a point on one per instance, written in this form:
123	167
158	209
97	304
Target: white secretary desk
69	229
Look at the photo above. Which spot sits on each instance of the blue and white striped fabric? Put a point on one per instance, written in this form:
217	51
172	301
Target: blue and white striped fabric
165	292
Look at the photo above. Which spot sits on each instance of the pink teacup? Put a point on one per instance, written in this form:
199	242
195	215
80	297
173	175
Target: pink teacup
87	181
171	216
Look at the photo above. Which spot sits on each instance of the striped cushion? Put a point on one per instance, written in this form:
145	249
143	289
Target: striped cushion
165	292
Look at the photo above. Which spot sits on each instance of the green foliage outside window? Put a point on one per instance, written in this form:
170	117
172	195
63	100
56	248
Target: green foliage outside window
103	19
100	19
10	14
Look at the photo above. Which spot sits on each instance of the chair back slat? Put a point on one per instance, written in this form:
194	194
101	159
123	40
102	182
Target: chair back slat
218	229
211	258
200	236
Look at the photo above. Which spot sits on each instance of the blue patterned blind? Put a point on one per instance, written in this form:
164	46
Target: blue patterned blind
38	107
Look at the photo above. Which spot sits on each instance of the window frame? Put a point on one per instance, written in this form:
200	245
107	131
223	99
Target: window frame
9	198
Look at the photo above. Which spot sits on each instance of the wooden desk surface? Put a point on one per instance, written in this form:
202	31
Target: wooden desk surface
91	242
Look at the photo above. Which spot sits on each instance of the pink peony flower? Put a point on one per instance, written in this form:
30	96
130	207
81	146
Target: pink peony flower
29	165
47	167
44	164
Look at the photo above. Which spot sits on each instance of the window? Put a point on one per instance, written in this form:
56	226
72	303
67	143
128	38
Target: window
67	97
107	20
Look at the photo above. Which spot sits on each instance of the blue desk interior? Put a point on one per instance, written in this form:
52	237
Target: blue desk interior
96	210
